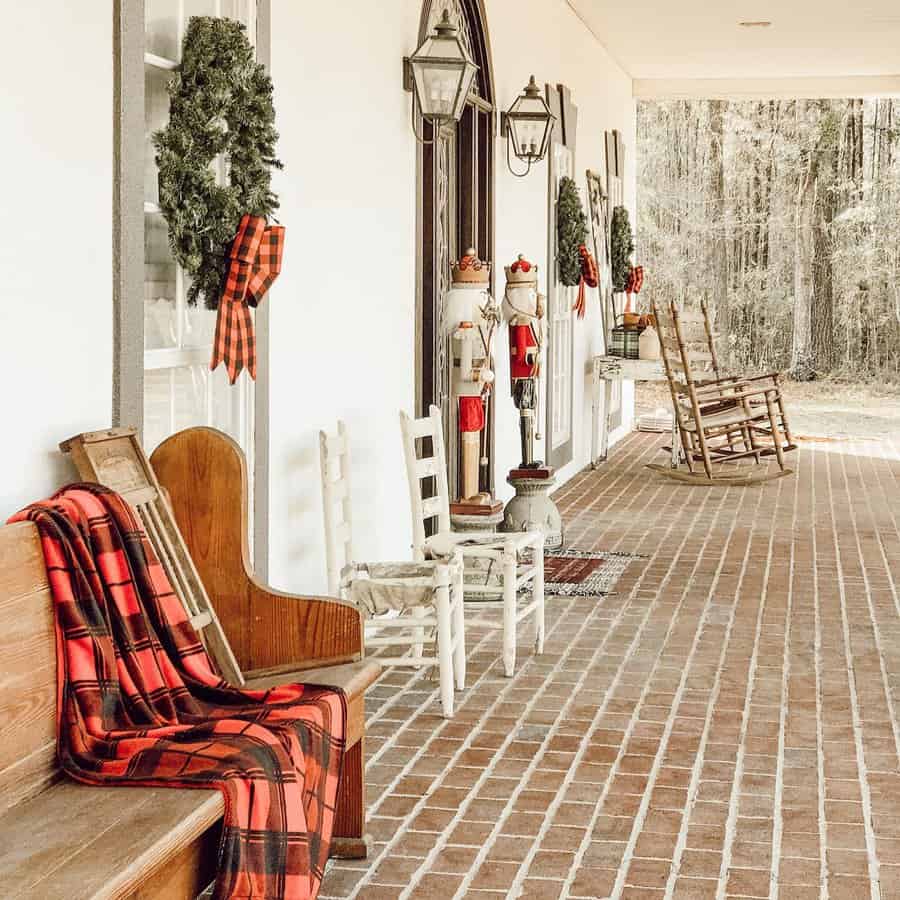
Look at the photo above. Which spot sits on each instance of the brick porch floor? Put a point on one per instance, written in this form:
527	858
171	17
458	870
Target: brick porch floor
724	725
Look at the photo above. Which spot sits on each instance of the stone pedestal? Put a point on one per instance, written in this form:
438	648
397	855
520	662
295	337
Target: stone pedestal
476	523
533	509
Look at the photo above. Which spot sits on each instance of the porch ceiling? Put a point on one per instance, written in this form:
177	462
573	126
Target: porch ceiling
667	44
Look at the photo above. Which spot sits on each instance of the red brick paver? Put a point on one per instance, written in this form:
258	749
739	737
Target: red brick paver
724	725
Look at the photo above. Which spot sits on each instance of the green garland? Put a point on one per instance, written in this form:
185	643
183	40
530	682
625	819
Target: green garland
220	105
571	232
621	247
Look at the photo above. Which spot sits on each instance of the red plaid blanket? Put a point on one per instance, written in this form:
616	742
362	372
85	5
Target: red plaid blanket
140	704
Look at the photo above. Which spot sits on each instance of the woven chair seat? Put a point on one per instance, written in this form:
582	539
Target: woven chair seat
379	588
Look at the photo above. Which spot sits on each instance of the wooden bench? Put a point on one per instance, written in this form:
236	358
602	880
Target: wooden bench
60	839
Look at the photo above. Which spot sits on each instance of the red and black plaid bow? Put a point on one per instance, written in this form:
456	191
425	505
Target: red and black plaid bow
635	280
590	276
255	261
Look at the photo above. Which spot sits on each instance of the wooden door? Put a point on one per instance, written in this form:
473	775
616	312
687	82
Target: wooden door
615	181
456	210
560	299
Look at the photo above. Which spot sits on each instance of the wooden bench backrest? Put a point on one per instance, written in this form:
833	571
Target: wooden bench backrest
27	668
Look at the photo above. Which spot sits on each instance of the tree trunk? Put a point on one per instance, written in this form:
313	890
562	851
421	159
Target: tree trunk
717	109
826	210
803	366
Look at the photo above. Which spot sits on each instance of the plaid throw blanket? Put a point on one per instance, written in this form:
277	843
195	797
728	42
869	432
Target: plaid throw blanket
140	704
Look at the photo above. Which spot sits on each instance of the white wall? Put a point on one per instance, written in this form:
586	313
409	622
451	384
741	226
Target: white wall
343	310
56	109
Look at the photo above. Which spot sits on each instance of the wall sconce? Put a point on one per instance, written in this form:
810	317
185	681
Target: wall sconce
527	126
439	75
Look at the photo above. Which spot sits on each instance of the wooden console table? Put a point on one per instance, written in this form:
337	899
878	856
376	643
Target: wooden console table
607	369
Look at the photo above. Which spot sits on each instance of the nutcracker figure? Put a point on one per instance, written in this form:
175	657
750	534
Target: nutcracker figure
523	309
469	321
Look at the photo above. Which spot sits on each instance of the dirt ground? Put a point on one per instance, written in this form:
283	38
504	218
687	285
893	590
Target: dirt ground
827	409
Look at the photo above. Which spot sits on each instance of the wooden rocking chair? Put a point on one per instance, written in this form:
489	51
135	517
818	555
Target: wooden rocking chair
720	418
192	502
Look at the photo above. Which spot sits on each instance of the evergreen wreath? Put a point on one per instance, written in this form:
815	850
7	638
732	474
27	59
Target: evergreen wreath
220	104
571	232
621	246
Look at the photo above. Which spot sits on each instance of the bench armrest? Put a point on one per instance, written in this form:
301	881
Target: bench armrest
204	475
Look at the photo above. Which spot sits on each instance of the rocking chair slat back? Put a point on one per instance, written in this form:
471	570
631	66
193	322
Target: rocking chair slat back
683	364
115	458
710	337
334	457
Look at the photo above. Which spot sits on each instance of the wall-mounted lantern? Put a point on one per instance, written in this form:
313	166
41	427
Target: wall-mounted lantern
527	126
440	75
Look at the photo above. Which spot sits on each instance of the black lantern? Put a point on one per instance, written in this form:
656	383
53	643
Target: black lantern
527	127
440	75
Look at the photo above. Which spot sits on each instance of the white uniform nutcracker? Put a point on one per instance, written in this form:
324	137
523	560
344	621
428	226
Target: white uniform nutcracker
469	322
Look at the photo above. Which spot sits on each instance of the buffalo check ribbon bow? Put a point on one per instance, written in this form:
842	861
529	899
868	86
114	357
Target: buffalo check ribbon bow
254	263
590	277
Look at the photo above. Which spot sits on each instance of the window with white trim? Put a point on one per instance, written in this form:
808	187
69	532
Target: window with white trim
179	389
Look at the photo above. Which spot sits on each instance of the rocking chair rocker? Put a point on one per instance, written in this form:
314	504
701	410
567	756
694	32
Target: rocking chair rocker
721	419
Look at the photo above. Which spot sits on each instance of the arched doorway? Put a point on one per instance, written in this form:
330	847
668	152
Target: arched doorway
455	201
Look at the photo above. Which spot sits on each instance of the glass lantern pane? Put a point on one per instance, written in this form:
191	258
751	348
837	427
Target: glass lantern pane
437	88
161	28
464	88
545	136
441	48
521	135
160	329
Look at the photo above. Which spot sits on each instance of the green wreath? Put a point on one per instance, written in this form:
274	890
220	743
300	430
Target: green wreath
571	232
621	246
220	106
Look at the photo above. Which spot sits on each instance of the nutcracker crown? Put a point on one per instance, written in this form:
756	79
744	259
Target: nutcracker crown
521	272
470	269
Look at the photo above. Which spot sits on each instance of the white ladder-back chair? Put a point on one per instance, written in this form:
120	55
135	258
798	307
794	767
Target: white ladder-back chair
398	600
504	550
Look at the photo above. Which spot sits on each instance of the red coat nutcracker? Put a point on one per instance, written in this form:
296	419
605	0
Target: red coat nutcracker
523	308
